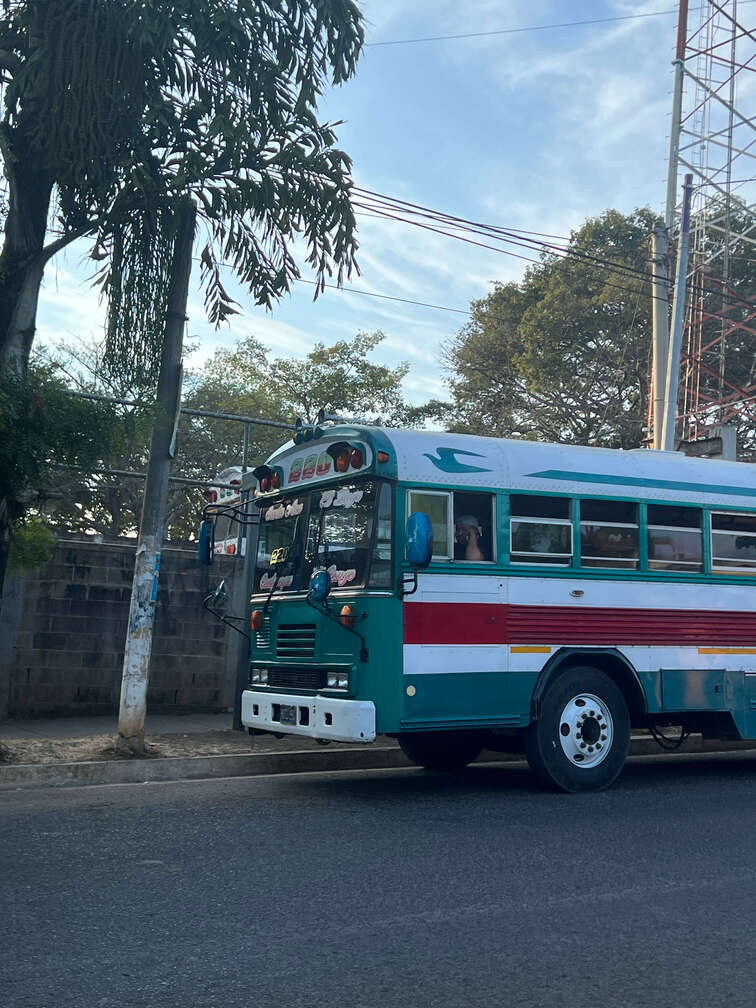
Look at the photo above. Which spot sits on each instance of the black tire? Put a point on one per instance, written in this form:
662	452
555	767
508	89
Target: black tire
581	739
443	752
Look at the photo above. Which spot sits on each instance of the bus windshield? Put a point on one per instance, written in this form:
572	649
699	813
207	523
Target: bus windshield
345	530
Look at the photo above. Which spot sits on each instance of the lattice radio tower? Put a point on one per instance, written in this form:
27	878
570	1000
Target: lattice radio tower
713	136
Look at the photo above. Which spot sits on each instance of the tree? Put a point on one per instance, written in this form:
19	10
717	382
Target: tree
564	354
43	427
113	110
339	378
242	381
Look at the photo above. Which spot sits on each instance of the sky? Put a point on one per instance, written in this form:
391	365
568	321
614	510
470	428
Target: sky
531	129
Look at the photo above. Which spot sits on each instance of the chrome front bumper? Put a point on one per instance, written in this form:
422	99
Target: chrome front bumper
316	717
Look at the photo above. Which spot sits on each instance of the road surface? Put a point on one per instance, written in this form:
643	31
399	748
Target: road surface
390	888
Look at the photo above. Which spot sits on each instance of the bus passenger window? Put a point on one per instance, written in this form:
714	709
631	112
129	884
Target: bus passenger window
733	543
474	526
436	505
675	539
609	534
541	530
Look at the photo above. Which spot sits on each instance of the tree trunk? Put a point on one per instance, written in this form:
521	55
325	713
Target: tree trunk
22	264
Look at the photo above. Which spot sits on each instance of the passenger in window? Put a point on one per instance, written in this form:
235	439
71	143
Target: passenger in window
467	538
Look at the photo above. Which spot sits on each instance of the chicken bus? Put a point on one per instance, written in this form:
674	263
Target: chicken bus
461	593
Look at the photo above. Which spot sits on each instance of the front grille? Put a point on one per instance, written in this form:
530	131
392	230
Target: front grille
297	678
262	636
295	640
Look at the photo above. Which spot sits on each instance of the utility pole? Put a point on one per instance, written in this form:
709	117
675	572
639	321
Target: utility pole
674	130
136	661
678	312
660	321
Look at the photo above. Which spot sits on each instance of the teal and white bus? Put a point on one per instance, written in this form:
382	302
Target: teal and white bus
460	593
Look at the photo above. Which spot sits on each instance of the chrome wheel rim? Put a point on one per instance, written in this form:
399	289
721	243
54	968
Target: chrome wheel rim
586	731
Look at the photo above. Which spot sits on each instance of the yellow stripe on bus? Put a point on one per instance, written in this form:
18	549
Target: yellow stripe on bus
727	650
529	649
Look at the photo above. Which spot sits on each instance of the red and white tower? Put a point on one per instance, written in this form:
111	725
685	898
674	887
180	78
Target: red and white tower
713	136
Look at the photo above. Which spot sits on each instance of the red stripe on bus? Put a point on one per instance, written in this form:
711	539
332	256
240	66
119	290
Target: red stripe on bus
489	623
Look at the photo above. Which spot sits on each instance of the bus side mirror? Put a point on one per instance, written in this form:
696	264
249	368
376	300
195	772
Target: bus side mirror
218	598
419	540
320	586
206	545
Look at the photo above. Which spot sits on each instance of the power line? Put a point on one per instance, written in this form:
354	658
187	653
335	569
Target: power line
518	31
529	28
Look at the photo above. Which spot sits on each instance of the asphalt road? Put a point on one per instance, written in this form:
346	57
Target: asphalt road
390	888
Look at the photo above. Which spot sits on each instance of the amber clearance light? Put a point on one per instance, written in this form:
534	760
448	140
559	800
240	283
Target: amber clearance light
256	620
347	616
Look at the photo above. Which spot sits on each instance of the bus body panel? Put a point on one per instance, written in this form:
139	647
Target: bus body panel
468	647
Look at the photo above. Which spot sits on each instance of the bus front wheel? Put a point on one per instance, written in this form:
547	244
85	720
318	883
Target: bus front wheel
582	737
441	751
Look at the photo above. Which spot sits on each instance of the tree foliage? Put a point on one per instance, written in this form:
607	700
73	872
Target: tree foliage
124	107
42	430
115	110
565	355
243	381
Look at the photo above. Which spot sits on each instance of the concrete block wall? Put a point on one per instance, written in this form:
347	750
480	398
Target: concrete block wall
64	629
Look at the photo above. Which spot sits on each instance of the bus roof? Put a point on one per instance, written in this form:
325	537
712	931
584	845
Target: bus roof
465	460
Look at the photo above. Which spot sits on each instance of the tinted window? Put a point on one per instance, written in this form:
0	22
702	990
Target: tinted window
675	541
609	534
733	542
540	530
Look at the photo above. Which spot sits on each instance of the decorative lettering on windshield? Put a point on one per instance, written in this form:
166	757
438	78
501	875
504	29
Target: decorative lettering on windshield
286	509
268	581
344	497
338	577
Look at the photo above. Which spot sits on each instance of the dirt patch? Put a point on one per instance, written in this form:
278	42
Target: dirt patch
102	747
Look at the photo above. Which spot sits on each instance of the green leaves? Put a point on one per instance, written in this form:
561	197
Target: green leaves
128	114
563	355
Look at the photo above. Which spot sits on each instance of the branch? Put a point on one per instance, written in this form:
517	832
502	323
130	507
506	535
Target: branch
10	62
65	239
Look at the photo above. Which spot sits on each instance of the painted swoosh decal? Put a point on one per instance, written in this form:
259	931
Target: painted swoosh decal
447	461
637	481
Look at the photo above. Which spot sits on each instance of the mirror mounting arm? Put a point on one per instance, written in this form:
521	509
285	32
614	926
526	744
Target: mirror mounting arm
228	620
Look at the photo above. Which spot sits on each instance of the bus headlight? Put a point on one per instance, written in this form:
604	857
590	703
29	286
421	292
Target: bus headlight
338	680
259	675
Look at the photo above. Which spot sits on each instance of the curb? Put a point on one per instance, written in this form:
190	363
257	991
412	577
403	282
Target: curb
33	775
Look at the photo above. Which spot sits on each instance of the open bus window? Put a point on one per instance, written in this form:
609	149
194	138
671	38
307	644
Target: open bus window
473	526
541	530
733	542
463	525
609	534
675	539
